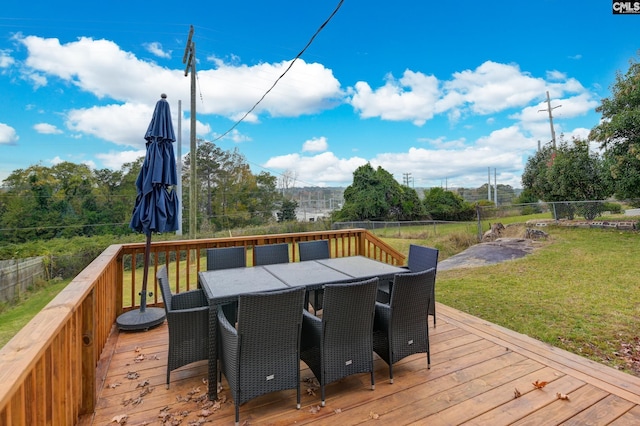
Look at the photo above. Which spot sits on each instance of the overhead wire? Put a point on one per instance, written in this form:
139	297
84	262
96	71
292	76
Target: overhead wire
246	114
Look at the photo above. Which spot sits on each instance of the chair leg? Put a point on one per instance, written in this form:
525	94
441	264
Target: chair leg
373	382
391	373
322	394
237	414
428	351
168	376
315	302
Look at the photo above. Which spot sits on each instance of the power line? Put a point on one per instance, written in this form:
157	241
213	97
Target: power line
283	74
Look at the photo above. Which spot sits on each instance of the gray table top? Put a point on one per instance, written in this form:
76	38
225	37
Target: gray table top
308	274
224	285
361	267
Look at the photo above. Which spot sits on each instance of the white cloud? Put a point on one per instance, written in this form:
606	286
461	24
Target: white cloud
121	124
156	49
114	160
100	67
47	129
8	135
412	98
494	87
323	169
5	59
232	90
55	160
490	88
315	145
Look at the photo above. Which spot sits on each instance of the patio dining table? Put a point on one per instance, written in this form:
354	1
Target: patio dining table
226	285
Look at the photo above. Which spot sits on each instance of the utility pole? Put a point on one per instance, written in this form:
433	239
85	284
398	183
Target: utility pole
189	59
179	230
553	132
495	189
407	179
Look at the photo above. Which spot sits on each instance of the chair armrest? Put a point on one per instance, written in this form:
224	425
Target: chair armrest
189	299
382	316
311	331
228	333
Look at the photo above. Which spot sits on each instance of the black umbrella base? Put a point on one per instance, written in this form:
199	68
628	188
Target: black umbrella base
141	321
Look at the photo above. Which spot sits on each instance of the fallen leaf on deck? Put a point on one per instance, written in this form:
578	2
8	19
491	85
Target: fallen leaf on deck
143	384
137	401
516	393
373	415
314	409
205	413
337	410
139	358
121	419
539	385
562	396
132	375
137	349
194	391
146	391
114	385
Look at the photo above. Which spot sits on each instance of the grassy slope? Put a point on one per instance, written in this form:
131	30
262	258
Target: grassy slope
15	317
578	293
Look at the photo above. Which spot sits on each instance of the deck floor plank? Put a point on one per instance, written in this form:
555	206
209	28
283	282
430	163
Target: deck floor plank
475	368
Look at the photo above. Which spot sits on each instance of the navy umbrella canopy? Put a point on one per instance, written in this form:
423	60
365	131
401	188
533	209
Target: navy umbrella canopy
156	208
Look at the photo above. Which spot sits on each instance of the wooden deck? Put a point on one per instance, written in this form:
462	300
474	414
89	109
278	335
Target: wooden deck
477	370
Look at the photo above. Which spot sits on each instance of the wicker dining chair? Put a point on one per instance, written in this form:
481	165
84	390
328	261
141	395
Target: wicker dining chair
270	254
420	258
263	354
341	343
188	321
312	250
400	327
226	257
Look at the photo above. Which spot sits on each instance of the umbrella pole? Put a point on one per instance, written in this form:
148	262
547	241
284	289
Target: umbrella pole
143	318
145	274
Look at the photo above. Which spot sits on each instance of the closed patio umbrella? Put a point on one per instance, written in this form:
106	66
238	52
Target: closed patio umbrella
156	207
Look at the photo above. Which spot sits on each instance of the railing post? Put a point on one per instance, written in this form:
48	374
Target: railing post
119	278
361	243
88	403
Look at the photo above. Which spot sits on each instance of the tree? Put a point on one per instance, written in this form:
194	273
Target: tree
577	174
288	211
229	195
569	173
446	205
376	195
619	132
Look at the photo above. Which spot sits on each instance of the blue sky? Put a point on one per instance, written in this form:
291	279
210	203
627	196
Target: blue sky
443	91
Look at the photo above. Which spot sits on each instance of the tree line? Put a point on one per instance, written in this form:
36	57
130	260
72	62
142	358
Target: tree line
375	195
68	199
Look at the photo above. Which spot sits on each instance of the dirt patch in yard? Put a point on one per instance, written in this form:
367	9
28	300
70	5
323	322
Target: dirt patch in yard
510	245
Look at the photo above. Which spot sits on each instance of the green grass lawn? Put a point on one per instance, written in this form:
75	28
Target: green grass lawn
13	318
578	293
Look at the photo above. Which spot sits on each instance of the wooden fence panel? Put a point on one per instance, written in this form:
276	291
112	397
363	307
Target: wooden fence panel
17	275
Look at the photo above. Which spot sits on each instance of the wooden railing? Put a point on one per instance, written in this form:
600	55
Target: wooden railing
48	370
